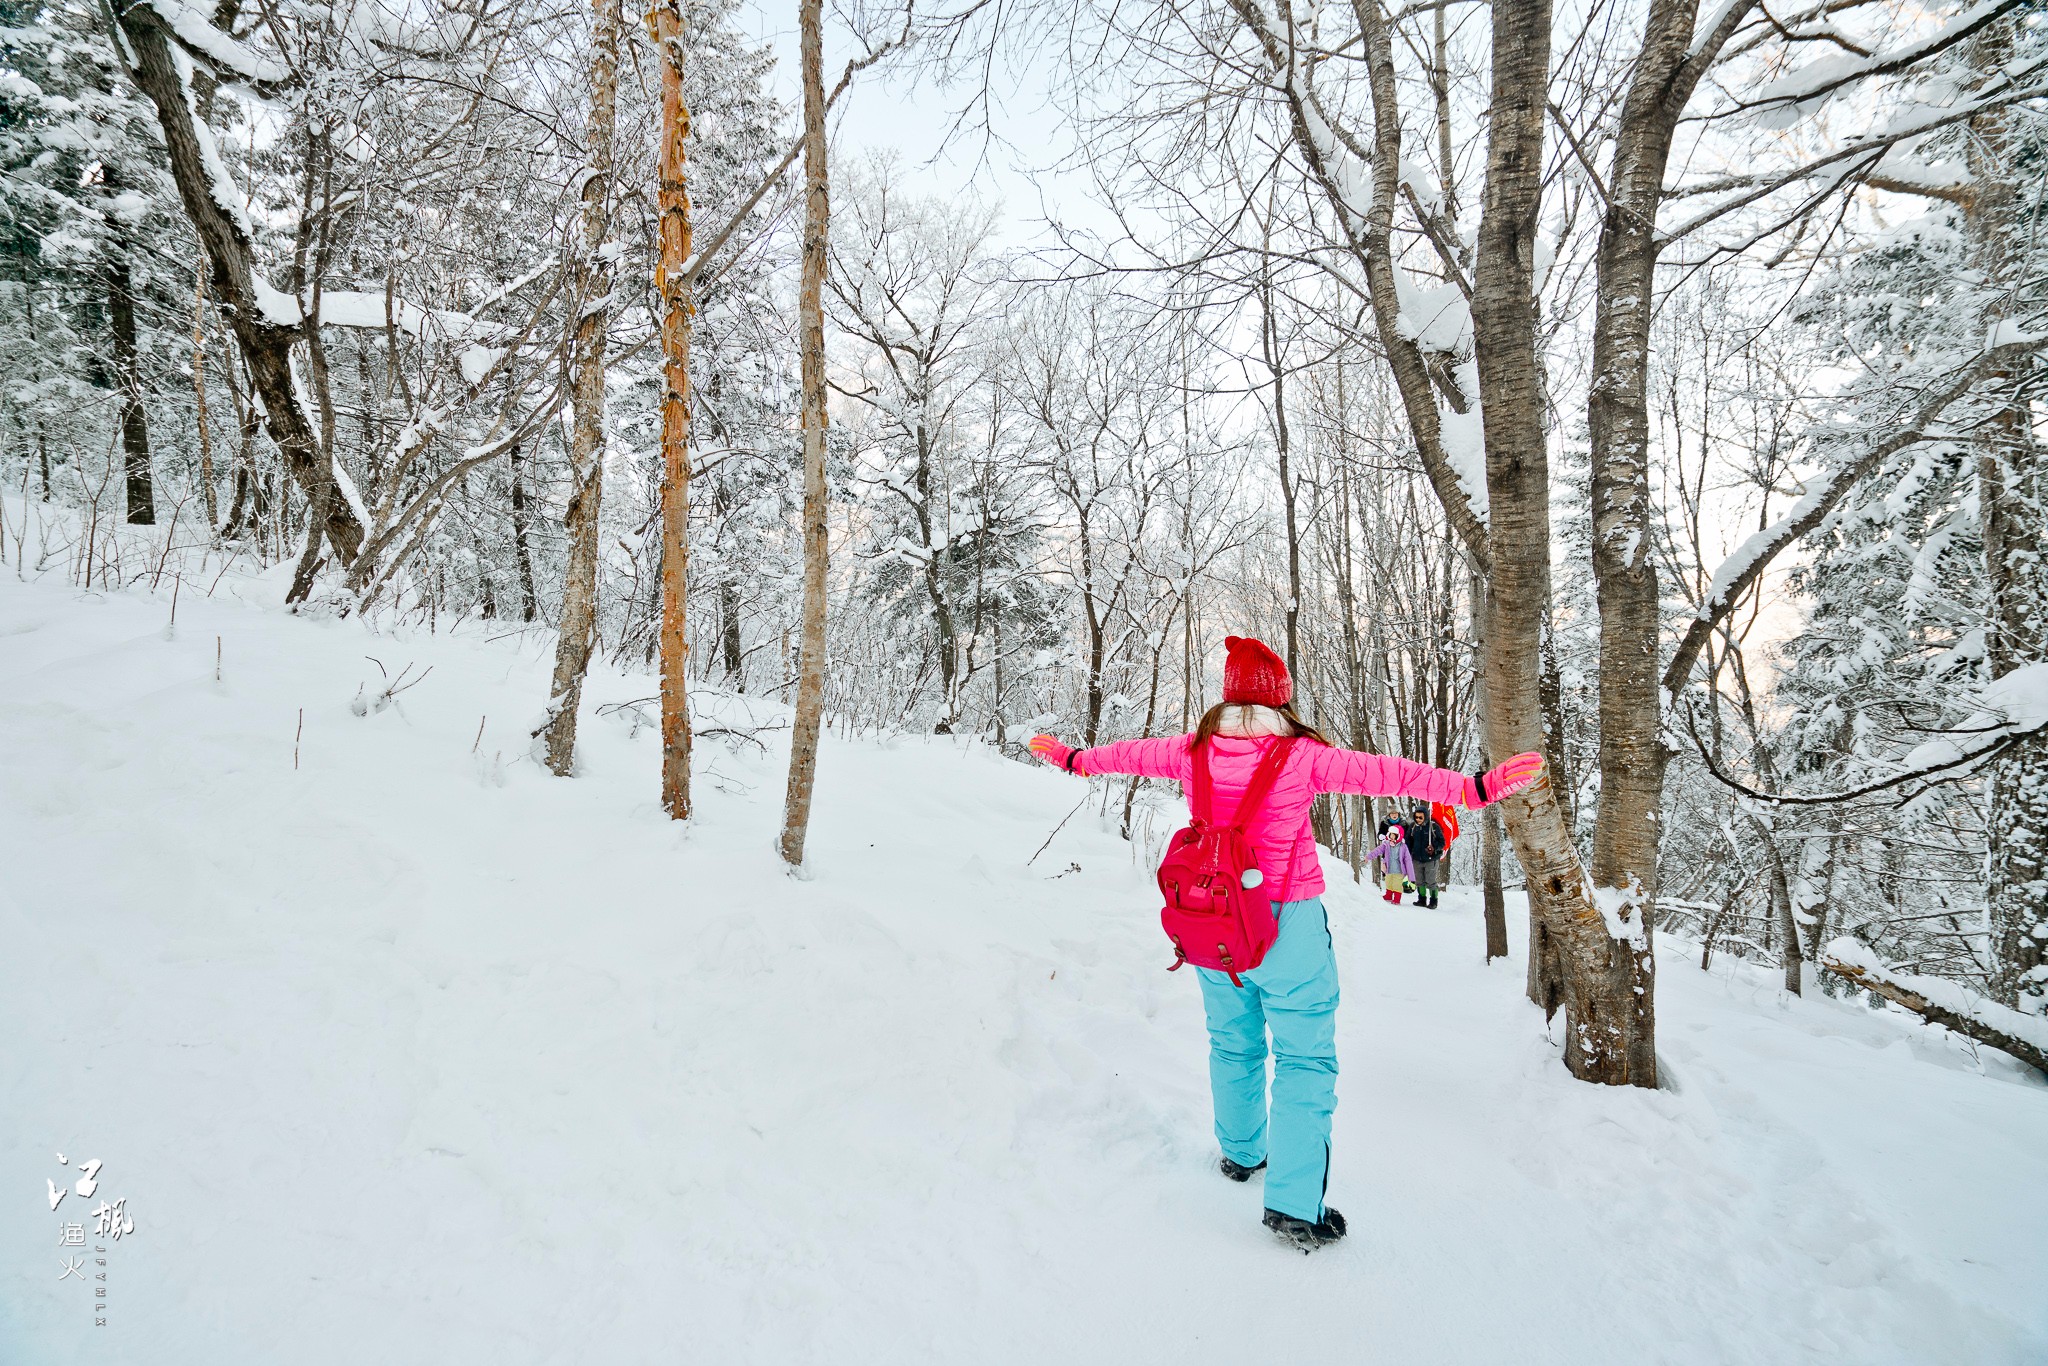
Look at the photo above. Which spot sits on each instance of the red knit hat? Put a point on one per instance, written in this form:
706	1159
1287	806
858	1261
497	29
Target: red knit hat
1253	673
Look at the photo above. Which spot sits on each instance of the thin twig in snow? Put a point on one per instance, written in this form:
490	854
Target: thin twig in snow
1057	828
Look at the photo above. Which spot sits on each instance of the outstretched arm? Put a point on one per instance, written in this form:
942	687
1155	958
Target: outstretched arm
1164	756
1159	757
1386	775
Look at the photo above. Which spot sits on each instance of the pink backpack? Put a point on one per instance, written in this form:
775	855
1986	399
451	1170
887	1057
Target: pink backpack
1218	912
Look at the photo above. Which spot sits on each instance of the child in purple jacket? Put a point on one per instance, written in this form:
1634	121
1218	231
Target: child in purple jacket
1397	866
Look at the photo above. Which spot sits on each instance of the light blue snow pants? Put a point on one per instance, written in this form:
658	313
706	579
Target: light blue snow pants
1293	993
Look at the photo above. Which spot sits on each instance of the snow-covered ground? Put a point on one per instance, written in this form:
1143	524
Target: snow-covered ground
415	1053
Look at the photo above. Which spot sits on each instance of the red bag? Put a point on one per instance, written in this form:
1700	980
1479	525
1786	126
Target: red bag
1218	912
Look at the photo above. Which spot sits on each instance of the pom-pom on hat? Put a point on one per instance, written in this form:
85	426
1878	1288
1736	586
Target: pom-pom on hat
1252	673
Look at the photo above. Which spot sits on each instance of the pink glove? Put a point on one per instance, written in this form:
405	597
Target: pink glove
1056	754
1503	780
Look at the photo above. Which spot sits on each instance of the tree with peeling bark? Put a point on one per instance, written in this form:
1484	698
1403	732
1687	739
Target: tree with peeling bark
810	690
673	266
578	622
1594	948
1599	943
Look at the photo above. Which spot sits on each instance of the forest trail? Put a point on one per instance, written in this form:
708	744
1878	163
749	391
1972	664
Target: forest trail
417	1054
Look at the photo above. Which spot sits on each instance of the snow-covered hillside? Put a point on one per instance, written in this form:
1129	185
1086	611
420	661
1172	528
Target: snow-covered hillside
413	1053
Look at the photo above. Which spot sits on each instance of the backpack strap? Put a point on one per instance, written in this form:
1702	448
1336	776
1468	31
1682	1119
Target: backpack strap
1263	778
1201	795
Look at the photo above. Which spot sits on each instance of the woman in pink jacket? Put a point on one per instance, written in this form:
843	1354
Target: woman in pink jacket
1292	994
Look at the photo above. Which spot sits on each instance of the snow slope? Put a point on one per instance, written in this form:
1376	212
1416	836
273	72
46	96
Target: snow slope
416	1054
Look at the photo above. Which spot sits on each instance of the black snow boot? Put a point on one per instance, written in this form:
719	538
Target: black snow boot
1301	1233
1237	1171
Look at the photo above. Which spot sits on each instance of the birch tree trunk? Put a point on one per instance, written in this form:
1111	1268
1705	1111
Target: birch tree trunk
678	314
1600	977
1615	981
1633	757
1368	235
1609	1034
587	436
810	688
1632	754
1375	243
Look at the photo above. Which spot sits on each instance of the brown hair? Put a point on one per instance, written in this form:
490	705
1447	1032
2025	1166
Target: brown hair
1212	722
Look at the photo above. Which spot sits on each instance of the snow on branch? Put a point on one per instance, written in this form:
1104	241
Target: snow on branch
220	185
1621	911
1903	171
1783	102
1416	322
372	312
377	312
228	54
1942	1002
1857	159
1463	437
1435	319
1711	35
2011	707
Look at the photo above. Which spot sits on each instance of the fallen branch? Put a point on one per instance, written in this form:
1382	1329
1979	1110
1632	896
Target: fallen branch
752	737
1943	1002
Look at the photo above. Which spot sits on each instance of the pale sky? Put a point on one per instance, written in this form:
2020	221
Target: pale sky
887	112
